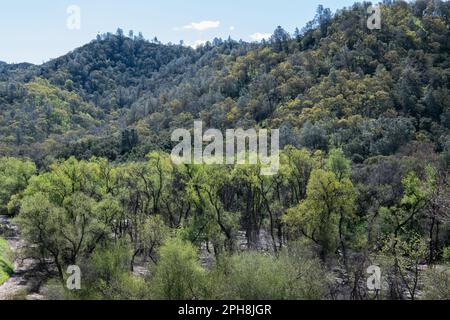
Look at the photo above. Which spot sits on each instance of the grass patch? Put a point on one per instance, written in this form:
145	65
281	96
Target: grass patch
6	257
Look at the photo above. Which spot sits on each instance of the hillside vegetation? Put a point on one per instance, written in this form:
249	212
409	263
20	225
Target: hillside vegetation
6	266
364	119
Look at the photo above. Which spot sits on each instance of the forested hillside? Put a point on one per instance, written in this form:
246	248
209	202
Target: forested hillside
333	84
364	117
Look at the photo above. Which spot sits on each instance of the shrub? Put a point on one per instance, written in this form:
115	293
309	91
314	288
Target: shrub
178	275
6	257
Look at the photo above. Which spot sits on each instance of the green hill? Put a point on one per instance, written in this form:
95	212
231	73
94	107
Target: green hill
363	179
334	83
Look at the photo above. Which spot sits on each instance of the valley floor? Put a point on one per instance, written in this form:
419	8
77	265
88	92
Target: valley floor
24	283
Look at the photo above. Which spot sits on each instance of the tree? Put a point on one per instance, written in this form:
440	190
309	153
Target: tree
59	215
153	233
146	200
254	276
297	34
339	164
119	33
296	168
318	217
106	276
437	284
387	135
404	259
436	211
14	177
323	19
130	139
178	274
280	40
403	241
253	202
313	137
293	274
409	91
208	189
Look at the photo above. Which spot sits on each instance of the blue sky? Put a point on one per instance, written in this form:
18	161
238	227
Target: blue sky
36	31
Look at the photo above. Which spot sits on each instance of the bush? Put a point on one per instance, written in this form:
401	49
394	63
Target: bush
437	283
256	276
107	276
178	275
6	265
314	137
14	176
308	278
295	274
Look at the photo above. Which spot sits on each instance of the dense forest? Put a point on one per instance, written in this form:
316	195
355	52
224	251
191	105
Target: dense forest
364	179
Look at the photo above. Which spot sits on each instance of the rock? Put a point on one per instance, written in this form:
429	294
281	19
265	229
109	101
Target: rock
24	278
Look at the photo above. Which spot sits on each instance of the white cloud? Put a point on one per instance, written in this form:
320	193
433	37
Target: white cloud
202	25
197	43
258	36
232	28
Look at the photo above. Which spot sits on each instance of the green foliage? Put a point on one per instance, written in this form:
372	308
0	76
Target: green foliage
446	254
154	233
296	168
14	177
339	165
437	284
314	137
37	111
106	276
371	180
62	212
403	219
178	275
111	217
317	217
333	84
205	184
6	258
295	274
255	276
308	277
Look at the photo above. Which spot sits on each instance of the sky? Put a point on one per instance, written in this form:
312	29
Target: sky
37	31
